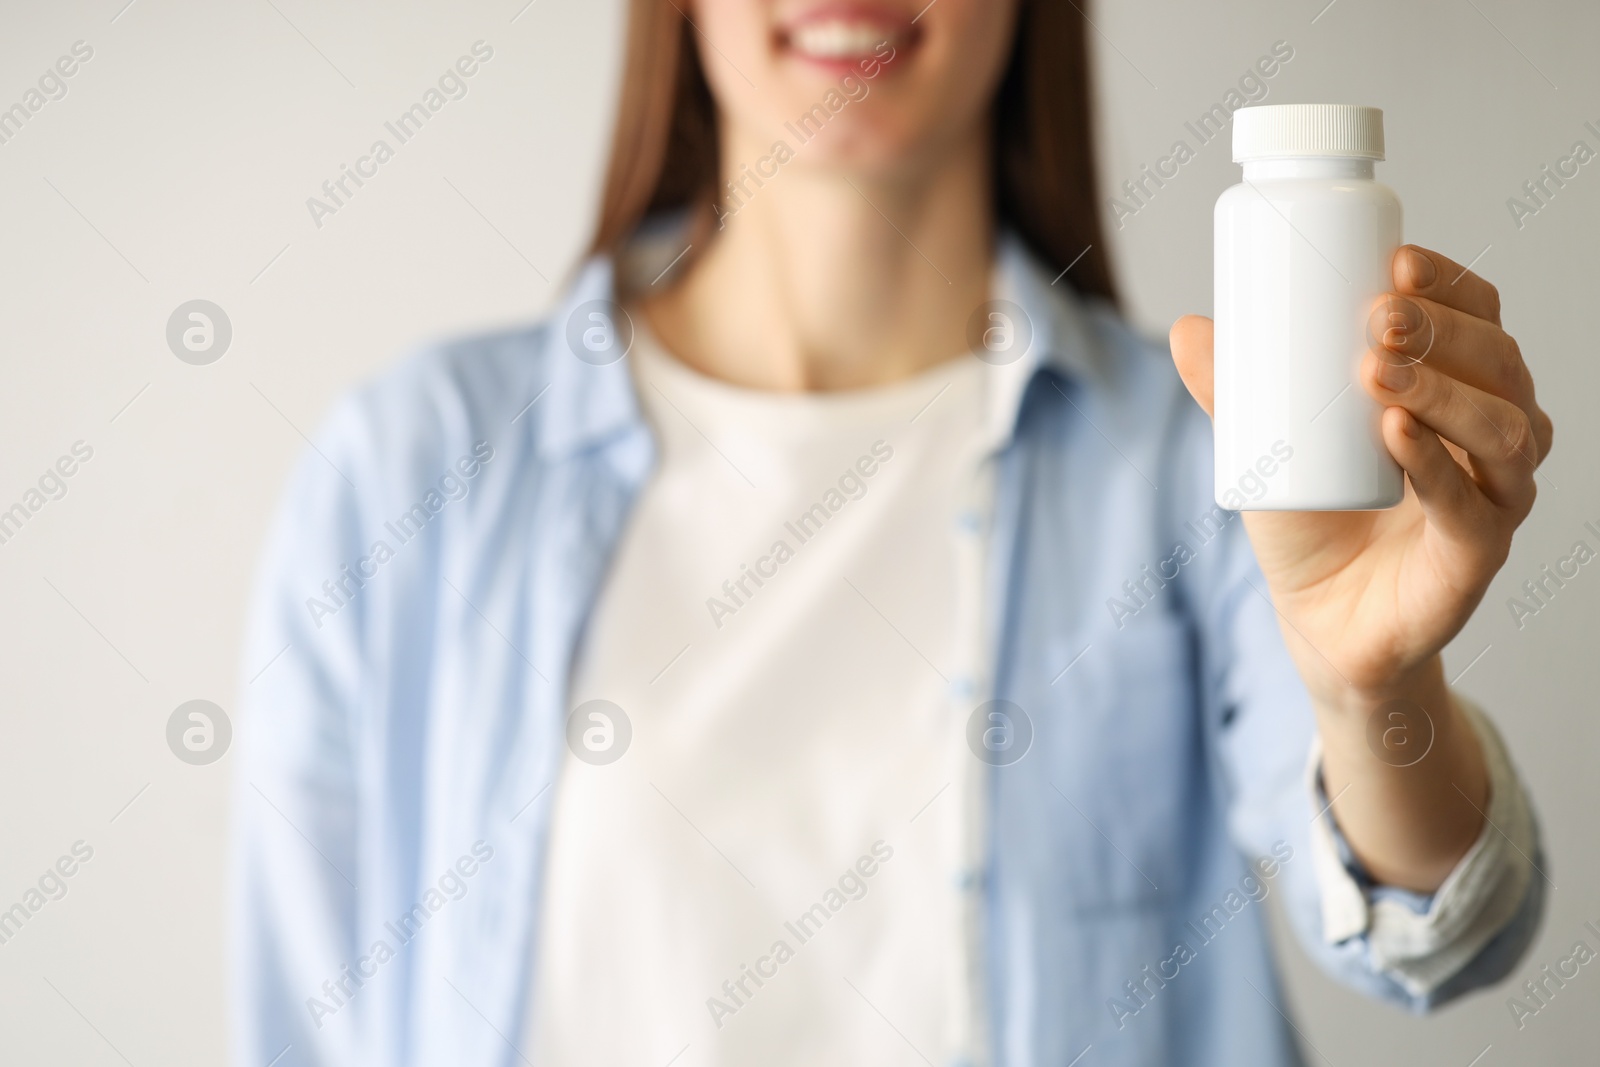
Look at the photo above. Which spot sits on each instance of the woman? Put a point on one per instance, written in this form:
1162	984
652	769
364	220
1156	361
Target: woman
733	669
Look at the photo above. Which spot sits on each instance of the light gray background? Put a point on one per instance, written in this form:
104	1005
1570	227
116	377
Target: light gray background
177	167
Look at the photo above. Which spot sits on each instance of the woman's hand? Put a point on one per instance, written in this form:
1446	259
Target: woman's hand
1368	599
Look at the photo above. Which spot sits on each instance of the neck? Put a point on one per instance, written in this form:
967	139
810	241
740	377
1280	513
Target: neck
822	280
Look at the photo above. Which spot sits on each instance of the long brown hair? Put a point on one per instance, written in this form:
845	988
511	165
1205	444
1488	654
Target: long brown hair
664	151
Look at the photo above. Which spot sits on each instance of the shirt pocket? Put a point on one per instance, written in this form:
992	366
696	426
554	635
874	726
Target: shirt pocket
1124	758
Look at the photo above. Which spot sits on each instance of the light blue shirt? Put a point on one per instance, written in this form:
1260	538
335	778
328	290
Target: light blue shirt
424	590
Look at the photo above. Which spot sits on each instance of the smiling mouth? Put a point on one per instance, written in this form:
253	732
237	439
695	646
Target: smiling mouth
842	38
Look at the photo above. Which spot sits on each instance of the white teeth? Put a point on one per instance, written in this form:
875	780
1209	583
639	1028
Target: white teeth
837	39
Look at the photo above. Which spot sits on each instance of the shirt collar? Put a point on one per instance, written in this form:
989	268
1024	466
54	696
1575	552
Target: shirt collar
1057	342
590	402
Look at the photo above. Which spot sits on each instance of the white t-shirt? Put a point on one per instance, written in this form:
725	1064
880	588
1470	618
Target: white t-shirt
779	869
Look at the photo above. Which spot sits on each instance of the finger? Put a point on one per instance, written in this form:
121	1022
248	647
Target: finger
1192	353
1464	347
1423	272
1450	500
1467	348
1496	434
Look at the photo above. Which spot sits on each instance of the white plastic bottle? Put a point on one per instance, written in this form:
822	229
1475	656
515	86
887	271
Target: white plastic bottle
1304	247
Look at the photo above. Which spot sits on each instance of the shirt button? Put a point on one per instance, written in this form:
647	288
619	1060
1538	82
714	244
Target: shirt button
963	687
968	522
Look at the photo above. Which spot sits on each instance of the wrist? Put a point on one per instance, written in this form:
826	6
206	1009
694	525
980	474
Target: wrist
1406	774
1422	685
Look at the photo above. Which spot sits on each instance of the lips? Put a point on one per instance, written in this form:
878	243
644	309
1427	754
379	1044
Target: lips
843	36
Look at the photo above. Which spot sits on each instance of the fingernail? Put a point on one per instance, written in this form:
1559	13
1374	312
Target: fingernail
1396	378
1410	426
1421	268
1404	316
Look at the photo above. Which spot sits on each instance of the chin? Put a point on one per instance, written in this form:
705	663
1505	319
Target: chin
865	145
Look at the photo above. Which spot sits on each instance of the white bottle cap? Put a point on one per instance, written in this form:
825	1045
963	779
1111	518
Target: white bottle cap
1275	131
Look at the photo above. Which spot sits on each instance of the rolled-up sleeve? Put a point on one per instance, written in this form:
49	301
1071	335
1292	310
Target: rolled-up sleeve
1425	940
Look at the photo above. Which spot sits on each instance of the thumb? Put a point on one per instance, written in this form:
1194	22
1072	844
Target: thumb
1191	352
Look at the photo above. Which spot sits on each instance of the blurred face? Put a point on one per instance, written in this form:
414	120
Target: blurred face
865	86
